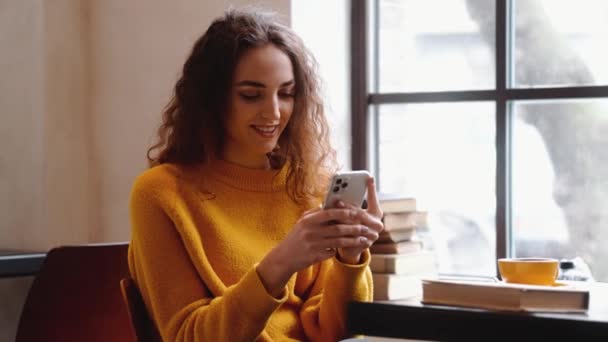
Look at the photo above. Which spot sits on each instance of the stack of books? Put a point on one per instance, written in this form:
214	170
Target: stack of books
399	261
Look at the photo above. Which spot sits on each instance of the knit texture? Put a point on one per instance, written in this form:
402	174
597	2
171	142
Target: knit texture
198	234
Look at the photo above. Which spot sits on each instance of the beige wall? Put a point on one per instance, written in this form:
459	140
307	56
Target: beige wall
44	176
21	127
82	87
66	116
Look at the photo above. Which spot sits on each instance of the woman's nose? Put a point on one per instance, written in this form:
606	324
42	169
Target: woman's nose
272	108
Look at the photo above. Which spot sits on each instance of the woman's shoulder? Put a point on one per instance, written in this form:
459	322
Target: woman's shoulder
158	179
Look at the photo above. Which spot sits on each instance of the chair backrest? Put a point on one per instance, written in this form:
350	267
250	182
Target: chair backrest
143	325
76	296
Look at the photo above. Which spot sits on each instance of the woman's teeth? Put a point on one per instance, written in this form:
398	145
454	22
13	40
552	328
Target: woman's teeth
266	130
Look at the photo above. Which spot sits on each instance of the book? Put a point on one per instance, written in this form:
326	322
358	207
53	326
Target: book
390	203
397	235
504	296
407	219
395	286
404	264
408	246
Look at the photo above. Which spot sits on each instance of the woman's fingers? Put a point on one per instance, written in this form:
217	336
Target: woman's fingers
319	217
346	242
338	230
364	217
373	205
350	215
372	221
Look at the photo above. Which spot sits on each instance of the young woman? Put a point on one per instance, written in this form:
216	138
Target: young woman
228	240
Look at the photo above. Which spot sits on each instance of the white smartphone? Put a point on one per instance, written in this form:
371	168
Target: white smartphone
350	187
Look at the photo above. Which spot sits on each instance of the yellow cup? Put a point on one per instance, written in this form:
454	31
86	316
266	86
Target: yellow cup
534	271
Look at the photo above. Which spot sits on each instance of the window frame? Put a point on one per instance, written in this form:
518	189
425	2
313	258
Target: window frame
364	103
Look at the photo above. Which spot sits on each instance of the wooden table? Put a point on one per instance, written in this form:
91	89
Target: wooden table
413	320
15	263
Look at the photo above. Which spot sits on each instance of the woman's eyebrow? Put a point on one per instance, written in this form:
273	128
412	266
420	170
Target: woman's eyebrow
261	85
288	83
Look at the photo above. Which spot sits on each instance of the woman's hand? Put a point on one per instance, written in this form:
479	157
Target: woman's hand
370	218
314	238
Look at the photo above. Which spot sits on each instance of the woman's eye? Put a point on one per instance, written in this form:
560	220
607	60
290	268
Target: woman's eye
249	96
287	94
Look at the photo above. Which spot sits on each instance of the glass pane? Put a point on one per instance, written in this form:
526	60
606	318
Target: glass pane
560	187
443	154
432	45
560	43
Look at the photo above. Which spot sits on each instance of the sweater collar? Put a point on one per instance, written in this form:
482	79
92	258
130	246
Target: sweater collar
248	179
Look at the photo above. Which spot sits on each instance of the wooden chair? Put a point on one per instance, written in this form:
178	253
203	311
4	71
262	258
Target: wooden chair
140	320
76	297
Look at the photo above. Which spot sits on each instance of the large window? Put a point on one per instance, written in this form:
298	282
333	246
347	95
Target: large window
494	115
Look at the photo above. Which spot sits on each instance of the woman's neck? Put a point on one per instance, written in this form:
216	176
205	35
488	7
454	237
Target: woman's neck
250	162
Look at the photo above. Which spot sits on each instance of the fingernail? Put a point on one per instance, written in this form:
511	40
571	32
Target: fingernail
341	204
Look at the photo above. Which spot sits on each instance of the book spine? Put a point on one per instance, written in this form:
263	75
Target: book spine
380	265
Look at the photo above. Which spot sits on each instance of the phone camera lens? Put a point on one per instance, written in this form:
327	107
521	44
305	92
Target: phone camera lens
336	188
338	181
344	185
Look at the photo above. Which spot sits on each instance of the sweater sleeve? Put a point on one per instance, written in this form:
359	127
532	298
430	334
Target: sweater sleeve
323	314
176	297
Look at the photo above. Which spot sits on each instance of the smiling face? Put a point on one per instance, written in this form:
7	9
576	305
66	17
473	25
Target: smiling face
260	105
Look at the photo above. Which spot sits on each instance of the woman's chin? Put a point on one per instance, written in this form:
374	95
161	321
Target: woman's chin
267	149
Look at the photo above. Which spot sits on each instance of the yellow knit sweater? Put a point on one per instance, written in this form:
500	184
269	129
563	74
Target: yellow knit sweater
197	236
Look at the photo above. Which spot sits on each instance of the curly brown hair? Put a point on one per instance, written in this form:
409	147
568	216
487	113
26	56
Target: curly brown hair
192	130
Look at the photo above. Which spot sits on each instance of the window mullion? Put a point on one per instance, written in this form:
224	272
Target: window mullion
359	105
503	165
